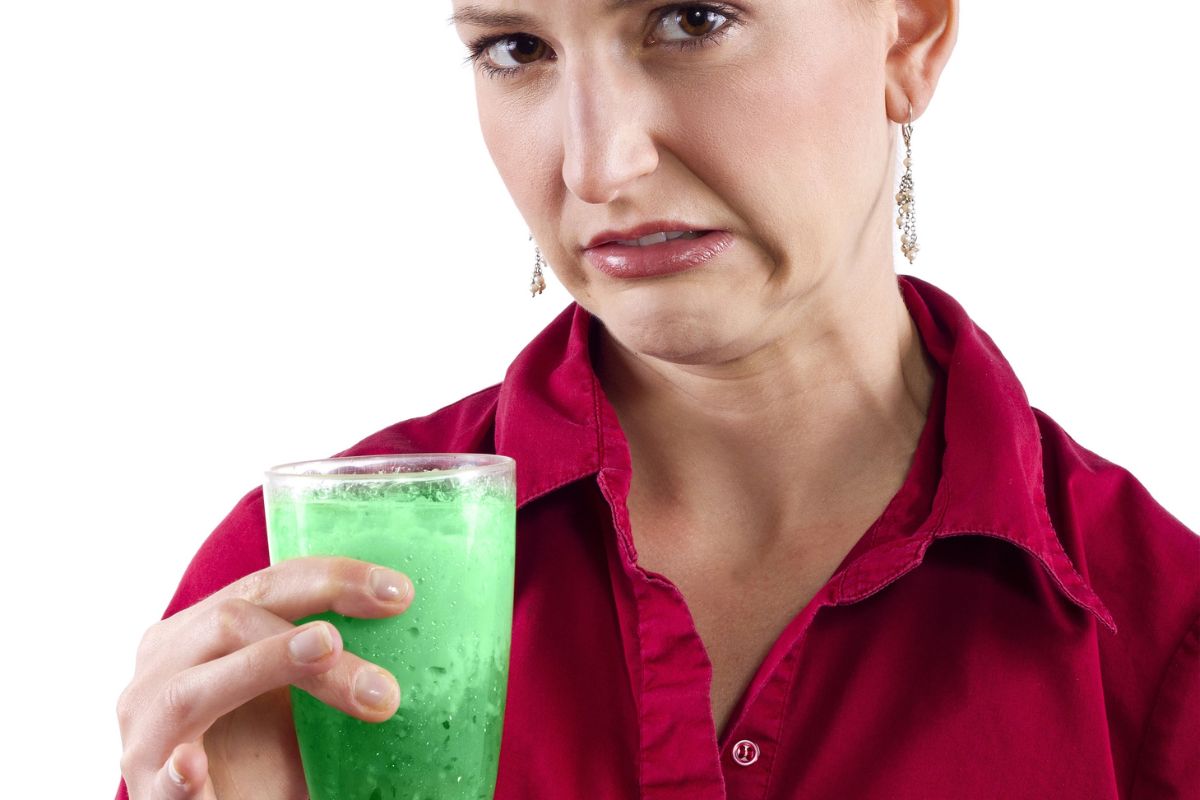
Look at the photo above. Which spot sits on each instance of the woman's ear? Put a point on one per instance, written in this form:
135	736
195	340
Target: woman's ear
924	36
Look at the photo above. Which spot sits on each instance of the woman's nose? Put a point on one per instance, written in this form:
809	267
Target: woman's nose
607	136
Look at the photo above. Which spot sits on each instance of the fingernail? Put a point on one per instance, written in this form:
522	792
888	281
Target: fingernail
311	644
372	688
388	585
174	773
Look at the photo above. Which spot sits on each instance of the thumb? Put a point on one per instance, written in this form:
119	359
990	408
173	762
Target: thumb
184	776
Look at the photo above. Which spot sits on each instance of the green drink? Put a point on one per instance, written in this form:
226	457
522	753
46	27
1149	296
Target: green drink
448	522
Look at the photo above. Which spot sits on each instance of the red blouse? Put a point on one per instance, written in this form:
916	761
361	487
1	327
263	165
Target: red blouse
1021	621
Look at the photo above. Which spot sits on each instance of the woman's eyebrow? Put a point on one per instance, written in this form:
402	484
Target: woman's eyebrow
485	18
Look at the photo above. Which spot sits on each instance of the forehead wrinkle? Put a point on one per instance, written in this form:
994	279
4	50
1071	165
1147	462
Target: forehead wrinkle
482	17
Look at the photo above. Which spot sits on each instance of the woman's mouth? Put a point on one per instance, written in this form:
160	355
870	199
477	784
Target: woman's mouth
662	253
659	238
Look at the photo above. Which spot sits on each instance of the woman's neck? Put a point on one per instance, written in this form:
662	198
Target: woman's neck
802	440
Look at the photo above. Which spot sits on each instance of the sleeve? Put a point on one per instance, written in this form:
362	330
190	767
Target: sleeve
235	548
1169	763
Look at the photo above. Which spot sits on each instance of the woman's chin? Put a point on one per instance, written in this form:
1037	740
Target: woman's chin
695	334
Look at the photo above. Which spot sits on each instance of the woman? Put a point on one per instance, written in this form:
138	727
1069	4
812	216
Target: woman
787	526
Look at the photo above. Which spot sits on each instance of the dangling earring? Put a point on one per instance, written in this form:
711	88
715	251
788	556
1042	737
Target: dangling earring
538	284
907	220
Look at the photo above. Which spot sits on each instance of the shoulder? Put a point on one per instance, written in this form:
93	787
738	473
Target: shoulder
1144	564
1141	560
464	426
238	545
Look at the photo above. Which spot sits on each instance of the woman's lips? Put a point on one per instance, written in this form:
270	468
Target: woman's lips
676	255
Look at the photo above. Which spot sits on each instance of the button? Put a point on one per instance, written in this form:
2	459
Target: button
745	752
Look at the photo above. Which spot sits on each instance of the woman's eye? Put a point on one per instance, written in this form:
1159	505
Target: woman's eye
696	22
521	49
509	55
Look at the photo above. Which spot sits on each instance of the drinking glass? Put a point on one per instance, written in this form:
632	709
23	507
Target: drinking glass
448	521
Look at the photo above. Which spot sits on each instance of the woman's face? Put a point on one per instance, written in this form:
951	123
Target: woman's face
767	119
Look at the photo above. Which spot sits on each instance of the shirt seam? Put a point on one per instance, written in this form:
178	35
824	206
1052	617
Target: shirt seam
596	420
942	501
1154	707
1052	541
606	491
592	469
572	478
787	696
1046	566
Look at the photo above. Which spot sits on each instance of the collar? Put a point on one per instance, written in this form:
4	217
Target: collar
991	481
547	410
552	417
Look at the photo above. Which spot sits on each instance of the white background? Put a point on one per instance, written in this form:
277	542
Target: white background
235	234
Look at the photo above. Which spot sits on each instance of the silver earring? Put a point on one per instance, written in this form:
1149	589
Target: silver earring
907	221
538	284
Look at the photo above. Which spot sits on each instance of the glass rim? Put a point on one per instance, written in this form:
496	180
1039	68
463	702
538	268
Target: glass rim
317	470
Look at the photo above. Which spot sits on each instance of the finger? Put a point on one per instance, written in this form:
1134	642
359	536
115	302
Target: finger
225	626
231	627
184	776
224	622
240	624
311	657
301	587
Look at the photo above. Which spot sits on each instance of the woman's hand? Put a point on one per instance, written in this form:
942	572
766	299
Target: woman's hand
210	693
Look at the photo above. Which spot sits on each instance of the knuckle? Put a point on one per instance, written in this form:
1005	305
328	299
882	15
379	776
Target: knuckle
230	619
350	576
125	706
136	759
256	587
327	581
328	577
129	763
261	660
149	642
178	701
